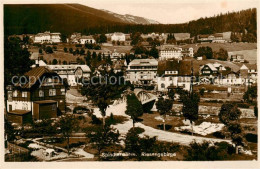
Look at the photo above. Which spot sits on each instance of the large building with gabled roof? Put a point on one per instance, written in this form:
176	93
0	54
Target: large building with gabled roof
39	94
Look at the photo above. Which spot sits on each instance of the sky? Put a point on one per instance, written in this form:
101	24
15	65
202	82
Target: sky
171	11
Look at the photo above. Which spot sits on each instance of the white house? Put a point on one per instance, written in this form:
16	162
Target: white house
142	71
47	37
173	74
229	78
170	52
87	39
118	36
71	72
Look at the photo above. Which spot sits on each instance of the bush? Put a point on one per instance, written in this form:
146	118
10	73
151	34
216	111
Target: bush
95	120
137	130
243	105
219	134
167	126
76	144
251	137
78	45
112	120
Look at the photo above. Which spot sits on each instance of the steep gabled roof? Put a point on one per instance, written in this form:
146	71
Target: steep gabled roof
183	67
34	75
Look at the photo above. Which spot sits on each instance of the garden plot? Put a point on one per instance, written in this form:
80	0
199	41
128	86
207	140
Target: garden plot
203	129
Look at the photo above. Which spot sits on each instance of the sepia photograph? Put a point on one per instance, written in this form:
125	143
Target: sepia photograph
126	81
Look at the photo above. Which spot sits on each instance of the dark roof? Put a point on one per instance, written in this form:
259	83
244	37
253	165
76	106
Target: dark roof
19	112
224	73
34	75
251	66
45	101
183	67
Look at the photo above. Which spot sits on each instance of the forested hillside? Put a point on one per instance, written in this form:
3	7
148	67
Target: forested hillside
22	19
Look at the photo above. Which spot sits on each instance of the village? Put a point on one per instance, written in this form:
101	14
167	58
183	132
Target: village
55	112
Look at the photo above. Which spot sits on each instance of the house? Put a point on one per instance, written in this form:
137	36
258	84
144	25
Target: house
115	55
170	52
72	72
237	58
249	72
47	37
119	66
118	36
75	38
41	96
214	38
174	74
211	69
229	78
187	52
142	71
87	39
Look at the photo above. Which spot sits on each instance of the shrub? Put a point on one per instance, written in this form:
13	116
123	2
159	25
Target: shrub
243	105
250	137
78	45
219	134
95	120
138	130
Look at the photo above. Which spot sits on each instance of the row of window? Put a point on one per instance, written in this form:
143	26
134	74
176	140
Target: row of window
52	92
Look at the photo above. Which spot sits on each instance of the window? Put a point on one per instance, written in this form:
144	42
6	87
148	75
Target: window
41	93
62	91
24	94
52	92
15	93
163	85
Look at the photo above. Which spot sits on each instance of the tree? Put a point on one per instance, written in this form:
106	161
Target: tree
102	38
204	51
16	60
82	51
134	108
256	111
101	138
9	130
205	152
48	50
164	106
190	108
68	124
64	62
154	52
88	58
222	54
229	115
54	61
99	57
137	145
65	49
171	94
40	51
251	94
70	50
102	93
202	91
